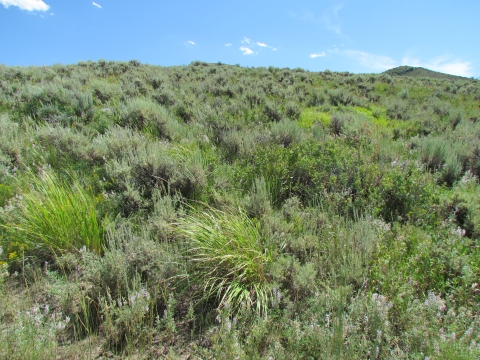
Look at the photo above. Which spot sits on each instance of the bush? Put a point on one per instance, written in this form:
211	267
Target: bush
258	201
286	132
272	112
405	194
105	91
292	110
338	122
452	170
339	97
145	115
397	109
83	107
433	153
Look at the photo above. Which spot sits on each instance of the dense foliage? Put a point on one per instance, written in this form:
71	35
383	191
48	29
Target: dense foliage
216	211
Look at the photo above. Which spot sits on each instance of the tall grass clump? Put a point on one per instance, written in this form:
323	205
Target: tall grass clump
229	258
53	217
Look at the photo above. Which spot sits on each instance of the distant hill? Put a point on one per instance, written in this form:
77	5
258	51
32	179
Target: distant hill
421	72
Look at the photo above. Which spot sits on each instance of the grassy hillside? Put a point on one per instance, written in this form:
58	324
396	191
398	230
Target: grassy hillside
215	211
420	72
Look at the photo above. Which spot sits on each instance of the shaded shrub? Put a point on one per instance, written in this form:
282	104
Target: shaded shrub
340	96
338	122
292	110
254	97
405	194
433	153
452	170
272	112
183	112
145	115
83	107
164	97
257	202
105	91
316	98
286	132
397	109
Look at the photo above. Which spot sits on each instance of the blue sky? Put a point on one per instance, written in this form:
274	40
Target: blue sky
356	36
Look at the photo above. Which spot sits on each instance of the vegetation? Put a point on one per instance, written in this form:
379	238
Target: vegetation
215	211
420	72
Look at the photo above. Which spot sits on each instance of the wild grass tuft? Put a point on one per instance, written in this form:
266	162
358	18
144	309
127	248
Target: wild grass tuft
53	216
229	258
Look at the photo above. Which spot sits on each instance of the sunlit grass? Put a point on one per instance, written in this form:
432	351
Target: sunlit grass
229	257
310	116
53	216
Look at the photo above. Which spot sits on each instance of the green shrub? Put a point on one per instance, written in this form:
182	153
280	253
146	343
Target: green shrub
397	109
286	132
258	201
403	94
254	97
452	170
272	112
105	91
340	97
6	192
405	194
439	107
338	122
31	333
292	110
433	153
144	115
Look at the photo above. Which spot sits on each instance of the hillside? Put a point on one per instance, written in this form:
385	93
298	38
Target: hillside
215	211
420	72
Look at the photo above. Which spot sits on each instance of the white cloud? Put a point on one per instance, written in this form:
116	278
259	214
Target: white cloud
29	5
444	64
97	5
371	61
252	44
190	42
266	46
331	22
322	54
227	45
246	51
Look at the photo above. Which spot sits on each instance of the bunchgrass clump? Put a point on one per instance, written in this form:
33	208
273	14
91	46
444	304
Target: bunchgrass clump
229	258
52	217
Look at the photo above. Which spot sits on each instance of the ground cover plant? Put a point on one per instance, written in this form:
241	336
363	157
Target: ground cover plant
215	211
